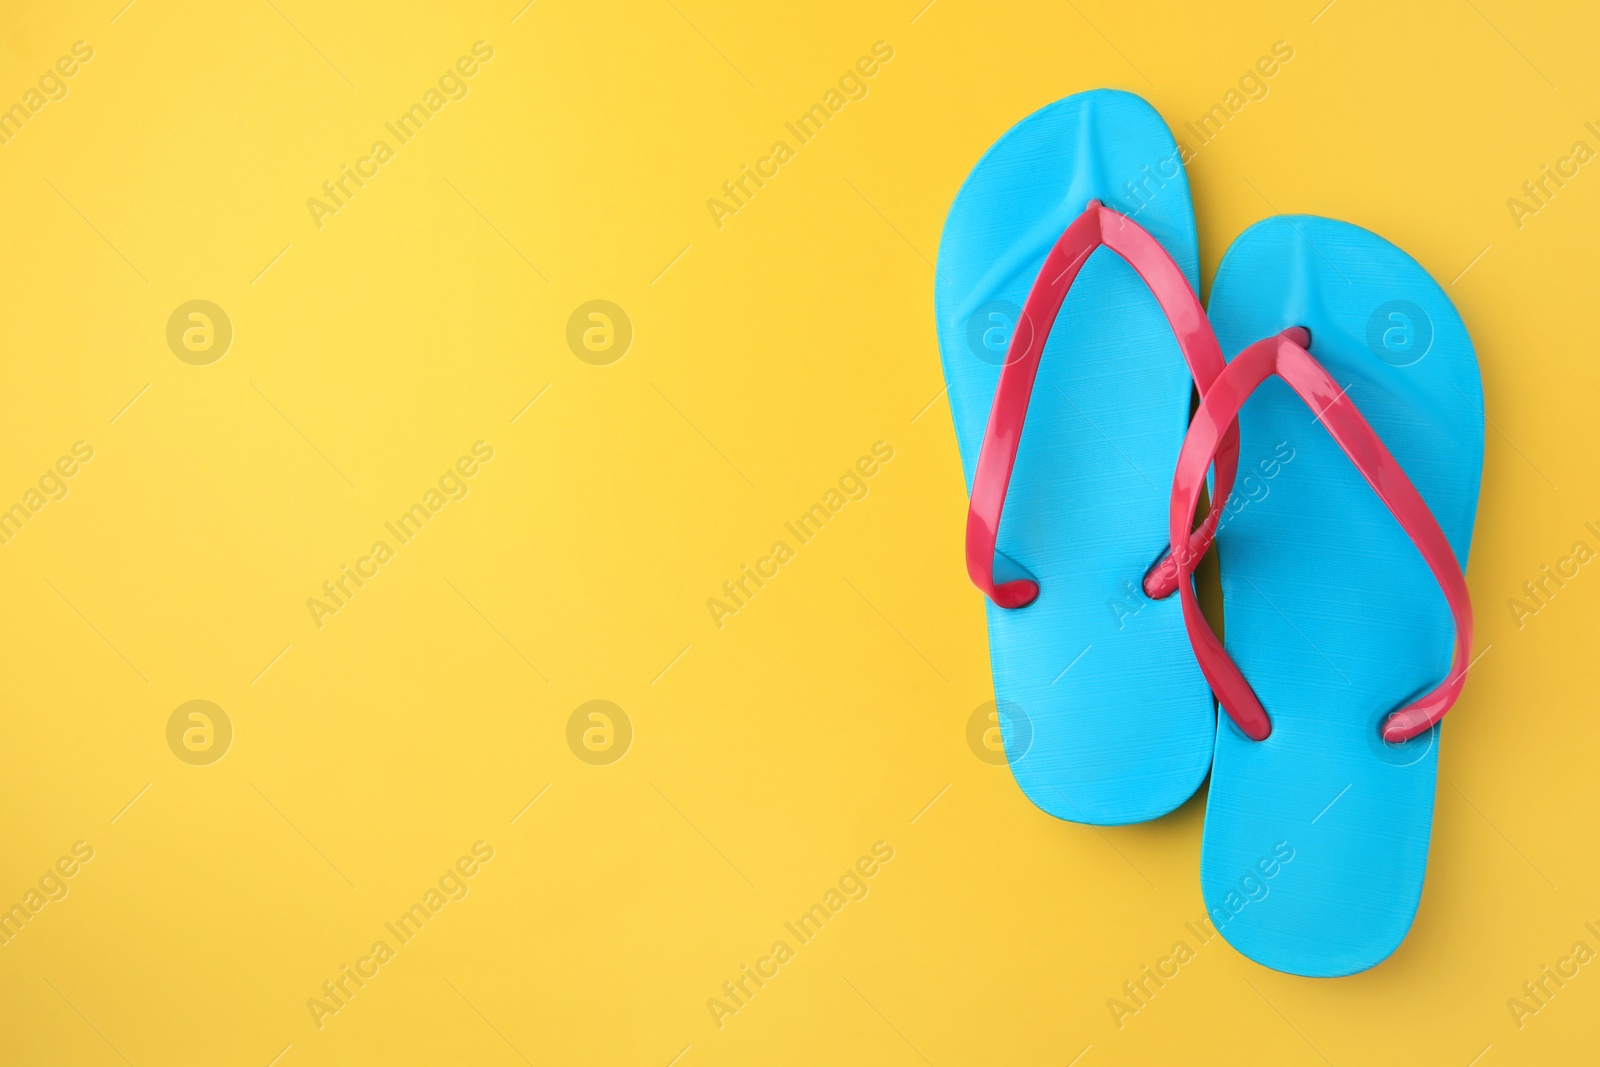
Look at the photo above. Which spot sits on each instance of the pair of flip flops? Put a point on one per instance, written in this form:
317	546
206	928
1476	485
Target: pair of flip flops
1340	428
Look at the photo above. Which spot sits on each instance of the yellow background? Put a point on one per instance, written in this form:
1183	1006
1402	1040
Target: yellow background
829	714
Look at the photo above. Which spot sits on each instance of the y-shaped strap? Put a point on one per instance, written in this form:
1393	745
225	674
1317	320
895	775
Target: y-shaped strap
1097	226
1285	356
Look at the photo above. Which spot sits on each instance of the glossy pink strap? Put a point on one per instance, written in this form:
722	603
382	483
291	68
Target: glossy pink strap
1097	226
1286	357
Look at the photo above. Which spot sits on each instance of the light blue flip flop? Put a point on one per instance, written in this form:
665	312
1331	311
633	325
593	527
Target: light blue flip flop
1316	838
1104	716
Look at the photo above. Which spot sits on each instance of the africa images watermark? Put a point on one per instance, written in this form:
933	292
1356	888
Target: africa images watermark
52	886
1537	193
852	85
852	886
452	85
1538	593
52	86
990	326
852	486
340	990
1246	491
1252	87
1537	993
52	486
1253	888
337	592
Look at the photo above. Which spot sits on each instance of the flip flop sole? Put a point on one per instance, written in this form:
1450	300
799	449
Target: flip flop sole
1107	719
1316	839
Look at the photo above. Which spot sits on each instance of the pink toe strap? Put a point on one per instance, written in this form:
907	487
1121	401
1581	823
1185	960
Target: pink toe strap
1097	226
1285	356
